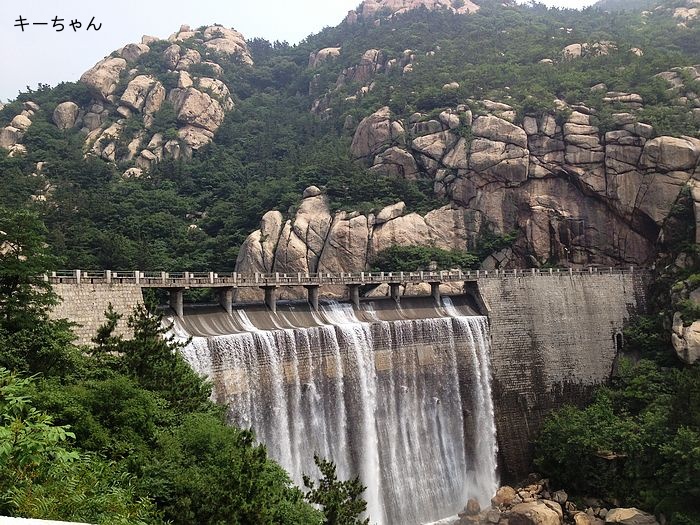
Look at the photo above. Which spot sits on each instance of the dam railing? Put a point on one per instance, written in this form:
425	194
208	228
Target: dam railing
256	280
226	283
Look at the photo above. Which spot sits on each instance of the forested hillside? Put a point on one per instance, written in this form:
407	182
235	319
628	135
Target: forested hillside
122	186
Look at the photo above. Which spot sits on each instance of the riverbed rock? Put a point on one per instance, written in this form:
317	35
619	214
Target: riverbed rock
535	513
504	496
629	516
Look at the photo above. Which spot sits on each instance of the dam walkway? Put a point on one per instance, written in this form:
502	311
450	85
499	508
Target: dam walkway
227	283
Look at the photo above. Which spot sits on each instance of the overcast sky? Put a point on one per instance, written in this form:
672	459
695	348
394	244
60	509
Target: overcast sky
42	55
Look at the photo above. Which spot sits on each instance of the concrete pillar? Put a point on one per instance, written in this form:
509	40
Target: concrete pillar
312	293
176	301
435	292
226	299
271	297
108	276
354	292
395	292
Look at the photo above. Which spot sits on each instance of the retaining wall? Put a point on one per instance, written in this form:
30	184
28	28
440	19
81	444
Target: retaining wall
85	305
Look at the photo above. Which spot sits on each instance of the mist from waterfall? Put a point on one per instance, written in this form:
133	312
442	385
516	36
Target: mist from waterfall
404	404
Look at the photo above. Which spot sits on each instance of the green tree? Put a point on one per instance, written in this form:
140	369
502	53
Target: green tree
25	296
340	501
42	477
29	340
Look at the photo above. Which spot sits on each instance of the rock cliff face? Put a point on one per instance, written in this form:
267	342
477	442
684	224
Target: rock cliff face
574	194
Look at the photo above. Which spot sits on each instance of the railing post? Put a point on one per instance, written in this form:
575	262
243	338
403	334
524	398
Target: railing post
137	276
362	276
631	269
478	274
77	276
187	277
211	277
108	276
571	271
235	277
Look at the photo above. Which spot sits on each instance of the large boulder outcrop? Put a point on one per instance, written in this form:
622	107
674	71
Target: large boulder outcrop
227	42
258	251
198	109
9	136
143	91
65	115
132	52
323	55
375	134
102	79
671	153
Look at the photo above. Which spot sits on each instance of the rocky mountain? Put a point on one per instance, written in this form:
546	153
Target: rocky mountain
414	122
574	194
128	99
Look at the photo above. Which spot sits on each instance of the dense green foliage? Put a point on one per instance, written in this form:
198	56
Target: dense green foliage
125	433
414	258
638	442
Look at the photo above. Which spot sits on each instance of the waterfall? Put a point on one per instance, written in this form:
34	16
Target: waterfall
405	404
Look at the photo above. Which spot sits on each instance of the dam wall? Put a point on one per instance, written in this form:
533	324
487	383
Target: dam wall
553	339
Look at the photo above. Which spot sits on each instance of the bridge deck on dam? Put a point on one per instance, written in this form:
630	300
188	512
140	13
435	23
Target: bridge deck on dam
255	280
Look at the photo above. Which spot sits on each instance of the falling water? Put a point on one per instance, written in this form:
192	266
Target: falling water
406	405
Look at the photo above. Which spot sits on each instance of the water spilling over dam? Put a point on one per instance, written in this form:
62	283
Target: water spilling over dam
399	396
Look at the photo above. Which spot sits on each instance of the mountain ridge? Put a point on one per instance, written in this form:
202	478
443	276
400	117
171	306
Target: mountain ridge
281	118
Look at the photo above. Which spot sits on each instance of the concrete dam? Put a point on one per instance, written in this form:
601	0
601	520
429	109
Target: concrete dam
429	399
